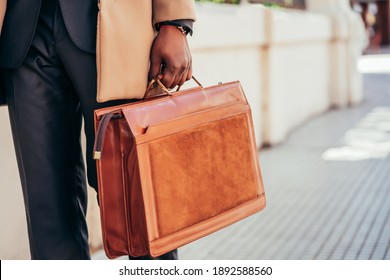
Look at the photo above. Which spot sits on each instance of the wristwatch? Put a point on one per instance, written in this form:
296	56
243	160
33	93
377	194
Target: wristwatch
185	26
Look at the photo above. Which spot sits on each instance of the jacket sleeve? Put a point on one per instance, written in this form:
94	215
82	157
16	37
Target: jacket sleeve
169	10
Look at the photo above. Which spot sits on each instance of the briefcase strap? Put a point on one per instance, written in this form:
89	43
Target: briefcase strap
101	132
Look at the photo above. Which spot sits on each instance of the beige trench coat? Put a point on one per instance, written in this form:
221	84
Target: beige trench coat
125	37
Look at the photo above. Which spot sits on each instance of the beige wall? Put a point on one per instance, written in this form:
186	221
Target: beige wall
13	234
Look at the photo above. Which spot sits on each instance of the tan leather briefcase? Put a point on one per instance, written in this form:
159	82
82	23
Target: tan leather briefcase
173	169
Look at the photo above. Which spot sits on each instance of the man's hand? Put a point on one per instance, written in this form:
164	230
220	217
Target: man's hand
171	57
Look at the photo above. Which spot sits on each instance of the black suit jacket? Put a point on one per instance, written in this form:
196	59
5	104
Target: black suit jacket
80	18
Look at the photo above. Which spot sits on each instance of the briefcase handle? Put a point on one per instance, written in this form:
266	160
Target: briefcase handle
157	81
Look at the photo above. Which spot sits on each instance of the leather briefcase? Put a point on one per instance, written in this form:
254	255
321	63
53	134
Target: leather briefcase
173	169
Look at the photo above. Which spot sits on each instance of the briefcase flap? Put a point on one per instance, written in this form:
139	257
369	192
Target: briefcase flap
142	114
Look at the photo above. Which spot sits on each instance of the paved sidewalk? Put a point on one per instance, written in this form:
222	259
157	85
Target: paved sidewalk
328	191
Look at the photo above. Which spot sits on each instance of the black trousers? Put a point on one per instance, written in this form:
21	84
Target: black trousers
48	95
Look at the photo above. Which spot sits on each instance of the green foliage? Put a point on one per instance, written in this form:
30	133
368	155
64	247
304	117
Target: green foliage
221	1
271	5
